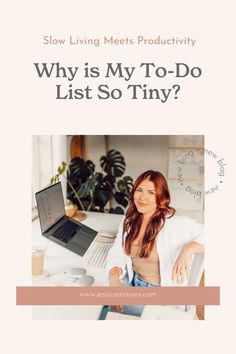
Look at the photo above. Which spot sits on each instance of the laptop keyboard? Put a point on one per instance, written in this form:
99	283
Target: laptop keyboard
98	258
66	231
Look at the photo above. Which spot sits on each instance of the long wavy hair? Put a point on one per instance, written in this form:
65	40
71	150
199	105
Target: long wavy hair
133	219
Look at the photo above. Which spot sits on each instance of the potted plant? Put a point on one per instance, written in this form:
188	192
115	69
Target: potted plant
97	191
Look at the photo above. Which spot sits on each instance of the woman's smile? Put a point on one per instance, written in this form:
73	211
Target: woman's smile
141	204
145	197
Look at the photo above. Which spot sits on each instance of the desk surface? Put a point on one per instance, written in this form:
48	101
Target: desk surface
59	260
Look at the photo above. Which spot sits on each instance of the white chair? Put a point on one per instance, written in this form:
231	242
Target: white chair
188	312
196	271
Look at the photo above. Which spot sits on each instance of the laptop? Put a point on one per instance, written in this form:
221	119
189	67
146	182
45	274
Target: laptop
56	226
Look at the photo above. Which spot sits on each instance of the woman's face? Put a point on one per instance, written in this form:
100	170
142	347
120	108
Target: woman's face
145	197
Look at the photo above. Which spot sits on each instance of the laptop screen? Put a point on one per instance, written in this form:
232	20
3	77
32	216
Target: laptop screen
50	206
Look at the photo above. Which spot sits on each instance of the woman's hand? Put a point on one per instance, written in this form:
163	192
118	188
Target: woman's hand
182	265
114	280
183	262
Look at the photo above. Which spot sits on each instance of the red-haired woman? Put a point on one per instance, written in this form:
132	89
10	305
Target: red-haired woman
153	247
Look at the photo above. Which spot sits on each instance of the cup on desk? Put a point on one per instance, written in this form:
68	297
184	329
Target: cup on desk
38	254
70	208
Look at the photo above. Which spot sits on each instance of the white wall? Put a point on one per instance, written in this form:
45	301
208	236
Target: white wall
141	153
48	152
42	169
95	149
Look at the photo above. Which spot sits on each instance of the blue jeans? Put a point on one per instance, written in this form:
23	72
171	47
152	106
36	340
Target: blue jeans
137	281
133	310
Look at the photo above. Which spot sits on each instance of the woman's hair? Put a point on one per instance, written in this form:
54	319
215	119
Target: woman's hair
133	220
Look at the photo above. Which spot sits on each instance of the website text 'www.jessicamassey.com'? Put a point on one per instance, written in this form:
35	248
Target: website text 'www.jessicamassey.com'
106	295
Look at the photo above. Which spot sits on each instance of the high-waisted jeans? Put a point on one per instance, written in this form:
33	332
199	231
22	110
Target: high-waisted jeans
138	281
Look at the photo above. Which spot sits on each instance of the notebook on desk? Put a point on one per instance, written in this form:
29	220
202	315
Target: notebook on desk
56	226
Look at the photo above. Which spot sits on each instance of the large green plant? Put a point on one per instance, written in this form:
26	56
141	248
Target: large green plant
94	191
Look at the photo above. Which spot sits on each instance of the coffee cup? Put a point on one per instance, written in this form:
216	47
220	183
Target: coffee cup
38	254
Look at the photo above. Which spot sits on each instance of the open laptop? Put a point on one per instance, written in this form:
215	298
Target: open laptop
56	226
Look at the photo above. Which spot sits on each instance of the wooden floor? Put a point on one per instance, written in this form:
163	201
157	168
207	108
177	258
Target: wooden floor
200	308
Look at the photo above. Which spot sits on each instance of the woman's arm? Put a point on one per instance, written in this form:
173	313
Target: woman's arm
194	247
116	264
114	276
183	262
193	241
114	280
116	256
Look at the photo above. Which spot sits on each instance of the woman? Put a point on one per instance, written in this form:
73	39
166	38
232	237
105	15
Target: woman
153	247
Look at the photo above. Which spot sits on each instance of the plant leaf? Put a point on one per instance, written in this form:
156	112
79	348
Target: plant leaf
117	210
113	163
87	188
80	170
61	169
120	198
54	179
125	185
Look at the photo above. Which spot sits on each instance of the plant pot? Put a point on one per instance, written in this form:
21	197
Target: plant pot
79	215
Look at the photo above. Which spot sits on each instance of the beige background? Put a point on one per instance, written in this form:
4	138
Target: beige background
204	107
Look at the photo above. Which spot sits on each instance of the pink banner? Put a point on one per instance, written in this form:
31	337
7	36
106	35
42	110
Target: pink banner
33	295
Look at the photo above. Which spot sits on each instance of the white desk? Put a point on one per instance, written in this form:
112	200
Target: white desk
59	260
